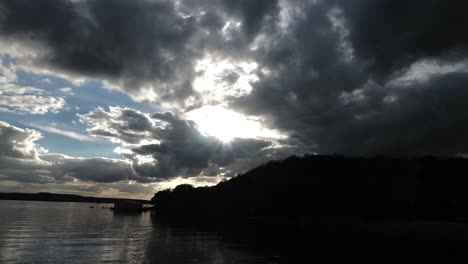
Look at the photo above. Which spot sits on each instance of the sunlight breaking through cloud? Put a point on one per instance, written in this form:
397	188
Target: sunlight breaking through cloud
226	124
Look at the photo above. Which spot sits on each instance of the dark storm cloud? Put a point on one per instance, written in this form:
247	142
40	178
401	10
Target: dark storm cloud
181	149
331	79
192	156
393	34
140	45
252	13
327	71
307	72
424	118
129	43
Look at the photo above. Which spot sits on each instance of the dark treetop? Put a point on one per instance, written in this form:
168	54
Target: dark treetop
330	188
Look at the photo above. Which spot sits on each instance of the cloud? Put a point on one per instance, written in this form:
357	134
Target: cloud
166	145
24	99
363	78
182	152
18	143
151	54
390	35
418	119
251	15
89	39
20	155
353	77
100	170
22	160
120	125
65	133
66	90
30	104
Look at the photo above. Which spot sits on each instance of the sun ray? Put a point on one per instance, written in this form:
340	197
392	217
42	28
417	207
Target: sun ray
226	124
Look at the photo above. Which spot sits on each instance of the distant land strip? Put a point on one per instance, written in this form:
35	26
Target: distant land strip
55	197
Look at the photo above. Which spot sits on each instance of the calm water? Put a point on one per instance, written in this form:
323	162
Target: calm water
47	232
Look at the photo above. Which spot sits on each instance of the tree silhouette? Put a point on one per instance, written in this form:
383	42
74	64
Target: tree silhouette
330	187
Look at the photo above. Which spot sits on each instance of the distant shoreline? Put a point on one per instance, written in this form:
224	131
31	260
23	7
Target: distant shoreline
55	197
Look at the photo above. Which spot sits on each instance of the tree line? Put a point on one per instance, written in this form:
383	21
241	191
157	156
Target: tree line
330	188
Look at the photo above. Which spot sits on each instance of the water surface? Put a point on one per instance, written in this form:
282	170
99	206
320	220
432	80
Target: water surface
48	232
54	232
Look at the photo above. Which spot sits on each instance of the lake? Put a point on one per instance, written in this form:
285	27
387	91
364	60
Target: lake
53	232
48	232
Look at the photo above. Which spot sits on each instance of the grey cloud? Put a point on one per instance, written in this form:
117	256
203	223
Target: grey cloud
333	103
20	156
306	74
120	124
326	71
185	151
424	118
391	35
129	43
192	157
180	149
147	48
252	13
22	160
18	143
95	169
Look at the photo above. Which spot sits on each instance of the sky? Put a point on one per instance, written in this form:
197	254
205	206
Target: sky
124	98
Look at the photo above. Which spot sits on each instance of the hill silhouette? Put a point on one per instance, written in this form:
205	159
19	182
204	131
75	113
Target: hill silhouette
330	188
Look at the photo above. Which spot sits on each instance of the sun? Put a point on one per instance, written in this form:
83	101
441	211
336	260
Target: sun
226	125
